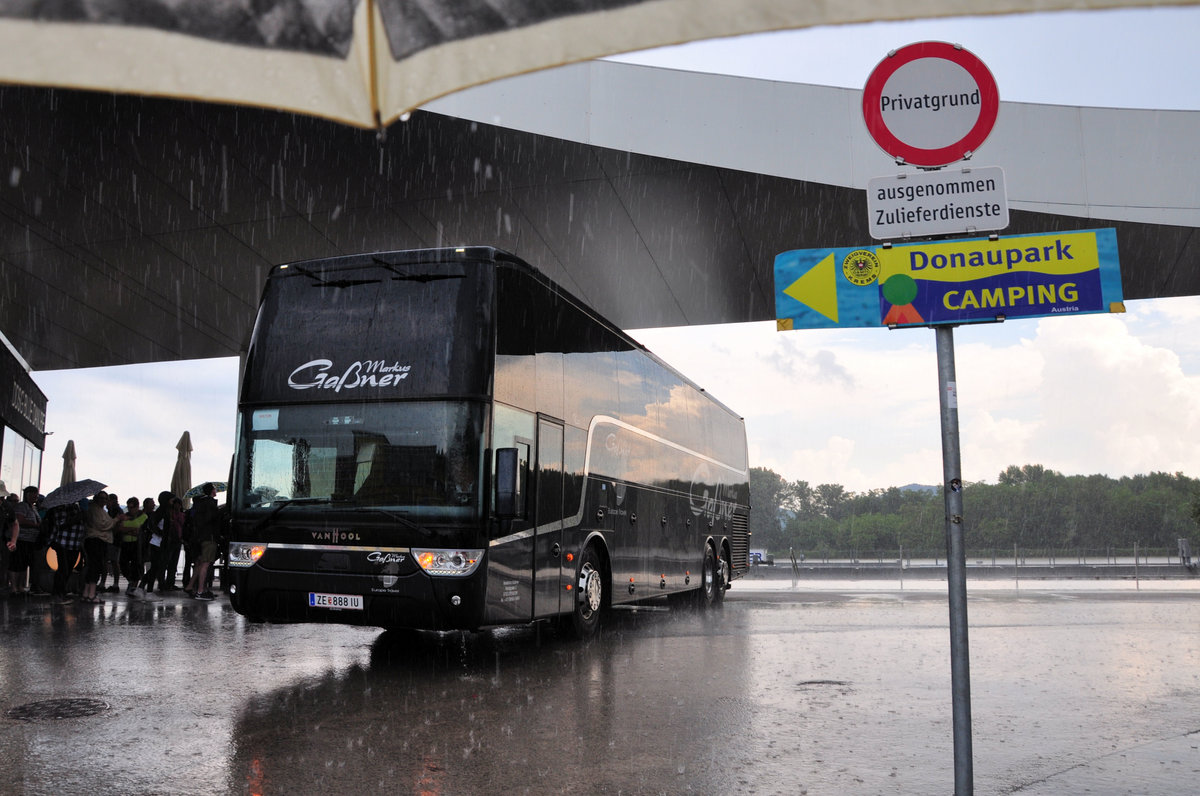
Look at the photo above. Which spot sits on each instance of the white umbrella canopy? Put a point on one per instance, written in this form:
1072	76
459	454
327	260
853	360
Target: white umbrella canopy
68	473
367	62
181	478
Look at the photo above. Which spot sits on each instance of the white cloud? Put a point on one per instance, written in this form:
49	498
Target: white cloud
1085	394
1114	403
821	406
126	421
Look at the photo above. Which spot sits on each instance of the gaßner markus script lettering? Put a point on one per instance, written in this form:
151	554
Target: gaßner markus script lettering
319	374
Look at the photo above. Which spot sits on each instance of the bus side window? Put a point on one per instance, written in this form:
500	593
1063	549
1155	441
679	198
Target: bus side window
512	472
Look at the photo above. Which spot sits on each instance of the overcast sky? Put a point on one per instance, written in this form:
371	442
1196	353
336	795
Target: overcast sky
1112	394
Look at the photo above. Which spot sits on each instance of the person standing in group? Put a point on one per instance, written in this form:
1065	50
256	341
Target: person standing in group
191	550
97	538
175	543
144	552
28	524
66	539
130	529
206	522
157	528
8	535
112	565
41	577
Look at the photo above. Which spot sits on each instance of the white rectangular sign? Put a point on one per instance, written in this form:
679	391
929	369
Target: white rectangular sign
945	202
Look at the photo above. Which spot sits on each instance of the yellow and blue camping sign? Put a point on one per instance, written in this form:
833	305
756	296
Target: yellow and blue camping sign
969	280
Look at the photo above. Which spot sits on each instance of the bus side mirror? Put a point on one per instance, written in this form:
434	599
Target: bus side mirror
509	498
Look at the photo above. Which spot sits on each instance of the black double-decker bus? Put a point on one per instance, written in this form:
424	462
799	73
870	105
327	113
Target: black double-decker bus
446	439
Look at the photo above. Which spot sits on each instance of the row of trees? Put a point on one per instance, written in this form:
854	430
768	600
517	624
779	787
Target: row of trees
1031	507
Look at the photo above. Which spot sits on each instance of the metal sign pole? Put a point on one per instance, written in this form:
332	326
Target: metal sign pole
956	564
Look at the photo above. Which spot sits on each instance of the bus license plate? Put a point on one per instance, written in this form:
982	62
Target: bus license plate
338	602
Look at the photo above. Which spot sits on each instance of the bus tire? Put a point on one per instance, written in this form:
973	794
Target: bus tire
723	578
590	596
709	580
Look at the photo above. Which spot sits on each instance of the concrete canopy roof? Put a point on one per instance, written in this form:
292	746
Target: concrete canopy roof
140	230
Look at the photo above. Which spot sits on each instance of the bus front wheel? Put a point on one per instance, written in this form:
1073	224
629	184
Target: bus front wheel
589	595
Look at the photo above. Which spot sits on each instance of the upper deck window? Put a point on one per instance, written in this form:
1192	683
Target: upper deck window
370	330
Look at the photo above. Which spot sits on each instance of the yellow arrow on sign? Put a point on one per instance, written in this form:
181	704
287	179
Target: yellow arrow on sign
817	289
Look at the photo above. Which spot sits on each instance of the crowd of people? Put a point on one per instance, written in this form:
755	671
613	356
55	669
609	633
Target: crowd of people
98	538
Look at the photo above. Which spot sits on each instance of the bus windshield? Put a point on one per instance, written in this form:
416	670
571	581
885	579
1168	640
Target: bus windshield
420	457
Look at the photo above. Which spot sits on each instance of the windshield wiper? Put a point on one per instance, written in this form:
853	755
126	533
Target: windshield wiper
402	276
283	504
321	281
398	516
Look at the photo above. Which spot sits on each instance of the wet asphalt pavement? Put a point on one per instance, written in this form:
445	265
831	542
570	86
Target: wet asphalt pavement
818	691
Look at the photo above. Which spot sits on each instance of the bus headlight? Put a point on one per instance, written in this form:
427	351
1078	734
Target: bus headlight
245	554
456	563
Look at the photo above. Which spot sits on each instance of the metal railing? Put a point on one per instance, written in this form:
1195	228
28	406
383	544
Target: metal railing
1019	556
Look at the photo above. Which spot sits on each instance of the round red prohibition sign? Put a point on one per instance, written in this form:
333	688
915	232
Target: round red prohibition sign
936	72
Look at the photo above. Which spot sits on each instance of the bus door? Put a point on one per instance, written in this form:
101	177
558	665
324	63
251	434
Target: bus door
548	520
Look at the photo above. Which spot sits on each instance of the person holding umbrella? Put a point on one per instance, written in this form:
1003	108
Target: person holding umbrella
67	528
67	522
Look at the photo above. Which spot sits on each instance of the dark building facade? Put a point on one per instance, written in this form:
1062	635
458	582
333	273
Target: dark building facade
23	423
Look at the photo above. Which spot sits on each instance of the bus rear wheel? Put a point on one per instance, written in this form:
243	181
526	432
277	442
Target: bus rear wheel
724	576
710	580
590	596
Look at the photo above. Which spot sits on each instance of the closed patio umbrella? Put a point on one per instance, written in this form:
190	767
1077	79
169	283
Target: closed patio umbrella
181	479
68	473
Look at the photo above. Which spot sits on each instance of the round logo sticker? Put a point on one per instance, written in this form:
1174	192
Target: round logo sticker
861	267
